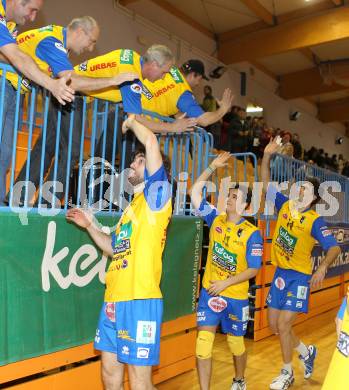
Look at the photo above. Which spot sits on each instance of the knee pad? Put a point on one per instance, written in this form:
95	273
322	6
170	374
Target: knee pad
204	344
236	344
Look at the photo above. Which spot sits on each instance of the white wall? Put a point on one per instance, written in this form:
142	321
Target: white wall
121	28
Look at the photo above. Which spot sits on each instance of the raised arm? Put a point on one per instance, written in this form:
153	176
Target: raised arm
85	220
196	190
26	65
153	158
271	148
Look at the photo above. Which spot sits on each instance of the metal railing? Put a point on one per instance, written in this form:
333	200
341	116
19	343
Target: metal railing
80	154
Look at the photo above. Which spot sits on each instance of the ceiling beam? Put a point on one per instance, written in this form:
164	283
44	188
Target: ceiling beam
184	17
125	3
309	82
334	111
313	30
283	18
262	13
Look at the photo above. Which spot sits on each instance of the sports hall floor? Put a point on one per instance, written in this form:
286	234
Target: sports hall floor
264	360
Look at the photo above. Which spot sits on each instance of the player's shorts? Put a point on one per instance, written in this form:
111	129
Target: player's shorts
232	314
341	310
289	290
131	330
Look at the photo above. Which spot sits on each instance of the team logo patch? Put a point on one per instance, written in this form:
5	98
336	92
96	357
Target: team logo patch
343	344
218	230
125	350
136	88
110	311
2	20
257	252
46	28
280	283
142	353
97	337
302	292
326	232
245	313
177	77
60	47
83	66
126	56
217	304
146	332
146	92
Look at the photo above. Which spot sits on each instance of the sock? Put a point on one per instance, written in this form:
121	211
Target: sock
302	349
288	367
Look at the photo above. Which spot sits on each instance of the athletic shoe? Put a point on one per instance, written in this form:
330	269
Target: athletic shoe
283	381
308	361
239	384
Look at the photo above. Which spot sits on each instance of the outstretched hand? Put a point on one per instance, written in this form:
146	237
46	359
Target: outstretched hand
80	217
273	146
227	100
221	160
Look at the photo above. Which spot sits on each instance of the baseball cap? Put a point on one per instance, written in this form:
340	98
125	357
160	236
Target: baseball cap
196	66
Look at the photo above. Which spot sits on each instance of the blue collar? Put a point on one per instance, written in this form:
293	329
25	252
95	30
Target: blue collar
4	5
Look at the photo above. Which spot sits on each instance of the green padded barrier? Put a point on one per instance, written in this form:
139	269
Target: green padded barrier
51	281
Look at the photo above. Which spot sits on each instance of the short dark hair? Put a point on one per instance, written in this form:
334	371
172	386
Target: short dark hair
246	190
165	159
316	186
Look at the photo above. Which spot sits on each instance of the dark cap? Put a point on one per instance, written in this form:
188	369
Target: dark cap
196	66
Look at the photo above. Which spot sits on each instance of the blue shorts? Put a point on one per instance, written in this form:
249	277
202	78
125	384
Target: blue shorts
231	314
289	290
341	310
131	330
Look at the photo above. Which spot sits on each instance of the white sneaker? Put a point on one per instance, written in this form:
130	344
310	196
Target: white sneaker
239	384
283	381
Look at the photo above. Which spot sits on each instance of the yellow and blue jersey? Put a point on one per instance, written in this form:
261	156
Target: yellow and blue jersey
8	29
233	248
296	234
171	95
337	374
47	46
110	65
138	243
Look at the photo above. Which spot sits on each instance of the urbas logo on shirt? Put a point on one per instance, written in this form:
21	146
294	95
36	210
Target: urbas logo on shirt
26	38
164	90
103	65
126	56
176	75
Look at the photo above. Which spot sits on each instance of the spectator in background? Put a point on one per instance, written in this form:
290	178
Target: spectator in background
320	158
341	163
237	135
345	171
297	147
209	104
287	147
334	163
264	139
